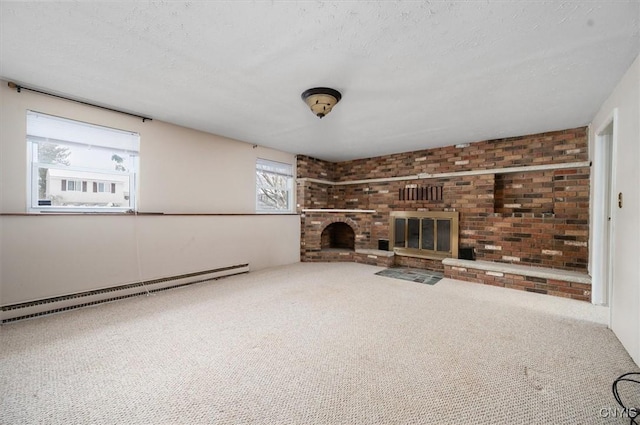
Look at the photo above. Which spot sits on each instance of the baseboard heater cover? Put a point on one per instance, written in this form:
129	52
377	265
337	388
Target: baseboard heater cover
29	309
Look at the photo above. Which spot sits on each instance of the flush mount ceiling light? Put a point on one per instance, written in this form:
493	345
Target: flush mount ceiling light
321	100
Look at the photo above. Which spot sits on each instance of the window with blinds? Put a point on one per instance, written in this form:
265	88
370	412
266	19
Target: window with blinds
79	167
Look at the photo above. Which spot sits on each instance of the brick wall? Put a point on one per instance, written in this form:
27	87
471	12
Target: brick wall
524	192
313	195
419	263
316	168
532	218
537	149
521	238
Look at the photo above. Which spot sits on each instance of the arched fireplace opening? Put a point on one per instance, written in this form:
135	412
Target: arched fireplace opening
338	236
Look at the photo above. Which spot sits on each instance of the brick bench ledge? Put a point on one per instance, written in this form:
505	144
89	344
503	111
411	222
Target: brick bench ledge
376	252
532	271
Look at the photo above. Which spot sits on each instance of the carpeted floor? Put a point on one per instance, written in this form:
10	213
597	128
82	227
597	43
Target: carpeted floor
315	343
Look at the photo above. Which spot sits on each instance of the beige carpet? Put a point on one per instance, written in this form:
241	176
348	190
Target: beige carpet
315	344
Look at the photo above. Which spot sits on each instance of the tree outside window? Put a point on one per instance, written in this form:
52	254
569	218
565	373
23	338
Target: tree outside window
274	186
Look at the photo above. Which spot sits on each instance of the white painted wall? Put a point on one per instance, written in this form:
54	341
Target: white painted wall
181	171
625	297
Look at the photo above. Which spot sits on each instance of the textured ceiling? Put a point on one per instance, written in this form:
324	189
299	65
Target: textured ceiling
413	75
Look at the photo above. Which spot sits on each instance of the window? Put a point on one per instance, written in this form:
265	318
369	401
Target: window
72	185
105	187
425	234
274	186
79	167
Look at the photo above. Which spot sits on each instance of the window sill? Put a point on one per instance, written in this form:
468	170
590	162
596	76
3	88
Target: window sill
68	213
275	213
129	214
64	211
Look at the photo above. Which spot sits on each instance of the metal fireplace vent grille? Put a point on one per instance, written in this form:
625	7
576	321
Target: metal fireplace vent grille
421	193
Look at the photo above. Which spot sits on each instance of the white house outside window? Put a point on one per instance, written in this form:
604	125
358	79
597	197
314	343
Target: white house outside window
274	186
80	167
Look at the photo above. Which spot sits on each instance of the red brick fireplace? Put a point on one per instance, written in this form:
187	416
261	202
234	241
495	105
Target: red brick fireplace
340	235
521	200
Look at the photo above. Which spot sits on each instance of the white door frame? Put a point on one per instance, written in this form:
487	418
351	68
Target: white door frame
602	252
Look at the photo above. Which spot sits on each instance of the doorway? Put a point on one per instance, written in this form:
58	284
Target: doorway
603	218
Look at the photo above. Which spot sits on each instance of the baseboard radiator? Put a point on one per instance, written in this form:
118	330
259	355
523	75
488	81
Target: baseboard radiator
26	310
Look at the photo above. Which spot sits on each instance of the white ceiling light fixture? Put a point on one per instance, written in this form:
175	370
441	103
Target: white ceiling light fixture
321	100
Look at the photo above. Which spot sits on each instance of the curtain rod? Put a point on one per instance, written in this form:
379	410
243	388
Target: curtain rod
19	88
